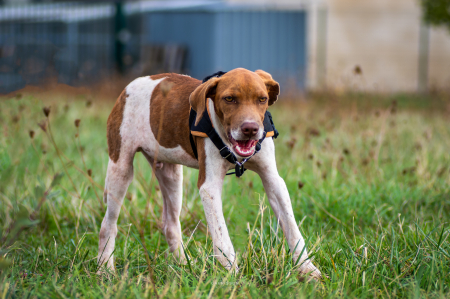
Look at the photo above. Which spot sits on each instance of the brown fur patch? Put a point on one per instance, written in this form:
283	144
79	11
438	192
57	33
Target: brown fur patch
199	96
200	143
273	88
169	110
113	127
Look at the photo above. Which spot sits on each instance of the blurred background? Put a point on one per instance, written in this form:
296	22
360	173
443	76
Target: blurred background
371	45
364	142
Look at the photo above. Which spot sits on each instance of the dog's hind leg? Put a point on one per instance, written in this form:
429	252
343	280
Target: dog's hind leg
118	177
170	179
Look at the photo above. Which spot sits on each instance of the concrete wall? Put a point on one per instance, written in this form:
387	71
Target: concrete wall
383	37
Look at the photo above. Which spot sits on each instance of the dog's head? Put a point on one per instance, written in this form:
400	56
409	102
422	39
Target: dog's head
240	98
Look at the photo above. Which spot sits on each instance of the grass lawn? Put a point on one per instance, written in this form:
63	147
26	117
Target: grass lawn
368	177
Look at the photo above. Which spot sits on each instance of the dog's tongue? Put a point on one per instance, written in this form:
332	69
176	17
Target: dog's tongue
246	143
245	148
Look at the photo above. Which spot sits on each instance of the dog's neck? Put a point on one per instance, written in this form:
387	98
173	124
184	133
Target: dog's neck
216	122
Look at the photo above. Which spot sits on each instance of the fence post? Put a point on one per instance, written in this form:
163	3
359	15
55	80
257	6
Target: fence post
120	33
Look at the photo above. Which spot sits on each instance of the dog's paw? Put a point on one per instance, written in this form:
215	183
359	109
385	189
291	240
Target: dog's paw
105	271
107	268
309	272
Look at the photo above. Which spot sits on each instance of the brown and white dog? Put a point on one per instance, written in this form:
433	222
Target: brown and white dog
152	116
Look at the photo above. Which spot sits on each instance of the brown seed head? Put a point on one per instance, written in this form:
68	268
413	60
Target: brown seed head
31	132
88	103
409	170
365	161
313	132
310	156
269	279
46	111
291	143
43	125
77	122
394	107
89	172
300	184
346	151
442	171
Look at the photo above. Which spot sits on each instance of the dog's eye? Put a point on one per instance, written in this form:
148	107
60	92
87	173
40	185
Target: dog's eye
262	100
228	99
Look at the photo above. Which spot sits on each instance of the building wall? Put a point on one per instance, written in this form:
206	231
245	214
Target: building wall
195	30
382	37
220	40
274	41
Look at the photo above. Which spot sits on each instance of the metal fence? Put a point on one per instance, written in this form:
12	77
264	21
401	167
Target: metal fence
80	43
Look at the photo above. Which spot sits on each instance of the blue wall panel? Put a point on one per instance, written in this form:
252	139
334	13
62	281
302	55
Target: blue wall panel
195	30
274	41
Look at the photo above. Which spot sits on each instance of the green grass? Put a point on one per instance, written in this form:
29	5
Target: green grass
368	179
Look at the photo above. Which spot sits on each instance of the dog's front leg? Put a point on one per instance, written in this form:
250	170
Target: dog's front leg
264	164
212	170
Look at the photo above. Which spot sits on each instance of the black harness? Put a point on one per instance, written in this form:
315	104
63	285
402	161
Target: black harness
205	126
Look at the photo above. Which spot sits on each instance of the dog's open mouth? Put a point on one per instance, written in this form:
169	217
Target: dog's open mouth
243	148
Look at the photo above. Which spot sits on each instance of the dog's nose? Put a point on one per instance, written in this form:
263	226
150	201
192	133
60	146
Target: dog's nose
249	129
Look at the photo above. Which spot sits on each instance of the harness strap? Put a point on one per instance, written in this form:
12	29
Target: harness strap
205	126
191	138
217	74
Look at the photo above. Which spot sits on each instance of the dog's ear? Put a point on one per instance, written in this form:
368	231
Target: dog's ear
198	97
273	88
